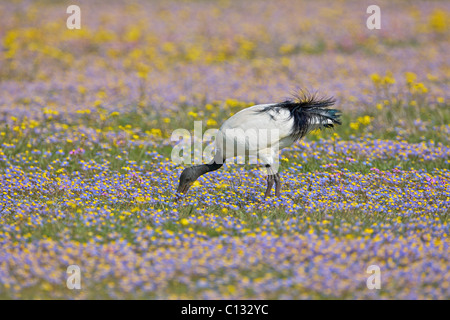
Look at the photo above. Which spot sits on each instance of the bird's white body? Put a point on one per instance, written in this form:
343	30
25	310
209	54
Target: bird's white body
260	134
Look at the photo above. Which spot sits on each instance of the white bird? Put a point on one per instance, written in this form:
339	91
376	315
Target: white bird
262	130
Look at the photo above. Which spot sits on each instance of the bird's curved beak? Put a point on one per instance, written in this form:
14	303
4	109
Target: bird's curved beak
183	188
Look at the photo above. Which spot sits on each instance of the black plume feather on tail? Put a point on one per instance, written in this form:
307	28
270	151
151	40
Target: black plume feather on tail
309	113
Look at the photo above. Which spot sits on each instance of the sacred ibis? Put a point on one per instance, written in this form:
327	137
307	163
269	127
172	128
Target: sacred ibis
291	120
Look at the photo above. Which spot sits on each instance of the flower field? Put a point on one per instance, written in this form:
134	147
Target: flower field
86	177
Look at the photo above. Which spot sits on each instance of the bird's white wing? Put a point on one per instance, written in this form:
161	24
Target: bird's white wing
254	130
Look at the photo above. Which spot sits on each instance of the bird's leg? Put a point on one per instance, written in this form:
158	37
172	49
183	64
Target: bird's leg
270	181
277	184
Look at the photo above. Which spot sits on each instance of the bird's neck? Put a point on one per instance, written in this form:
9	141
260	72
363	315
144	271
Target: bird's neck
204	168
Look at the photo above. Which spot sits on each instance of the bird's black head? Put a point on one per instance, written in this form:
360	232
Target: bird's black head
187	178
